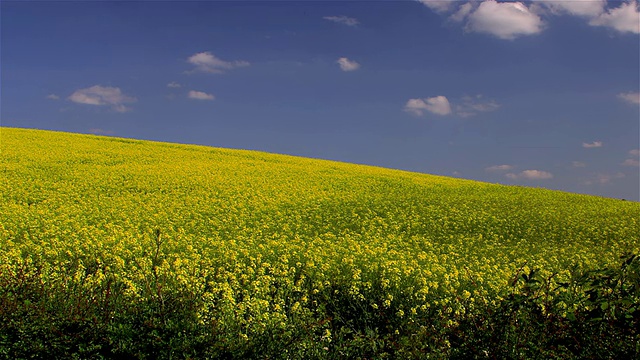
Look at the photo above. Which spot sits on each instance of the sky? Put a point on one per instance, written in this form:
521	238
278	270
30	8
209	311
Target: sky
535	93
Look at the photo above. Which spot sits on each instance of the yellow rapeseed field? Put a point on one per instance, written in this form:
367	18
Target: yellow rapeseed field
265	244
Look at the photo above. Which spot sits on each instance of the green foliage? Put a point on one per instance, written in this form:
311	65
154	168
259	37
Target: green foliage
112	248
594	315
536	320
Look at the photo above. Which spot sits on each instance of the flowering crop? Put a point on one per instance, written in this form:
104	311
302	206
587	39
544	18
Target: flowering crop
255	248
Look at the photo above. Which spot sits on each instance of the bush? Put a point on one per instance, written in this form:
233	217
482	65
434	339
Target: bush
594	315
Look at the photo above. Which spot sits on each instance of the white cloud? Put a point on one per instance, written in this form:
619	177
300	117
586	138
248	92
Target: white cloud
578	164
103	95
584	8
630	97
530	175
174	84
634	152
438	105
347	65
415	106
472	105
462	12
536	174
624	18
345	20
506	20
631	162
511	19
499	168
53	97
595	144
438	6
199	95
206	62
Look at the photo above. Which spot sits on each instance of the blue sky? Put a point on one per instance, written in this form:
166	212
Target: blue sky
541	93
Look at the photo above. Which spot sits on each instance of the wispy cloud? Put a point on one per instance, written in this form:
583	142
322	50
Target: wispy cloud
103	96
578	164
53	97
630	97
439	6
206	62
472	105
199	95
462	13
631	162
97	131
530	175
173	84
348	65
345	20
495	168
584	8
438	105
625	18
603	179
634	152
595	144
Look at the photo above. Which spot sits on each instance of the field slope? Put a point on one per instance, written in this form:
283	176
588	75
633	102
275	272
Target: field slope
114	247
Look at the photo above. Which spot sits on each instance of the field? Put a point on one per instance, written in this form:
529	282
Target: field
122	248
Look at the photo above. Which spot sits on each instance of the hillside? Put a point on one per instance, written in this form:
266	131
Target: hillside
192	251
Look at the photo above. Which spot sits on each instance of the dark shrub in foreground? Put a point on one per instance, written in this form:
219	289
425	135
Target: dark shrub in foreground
596	315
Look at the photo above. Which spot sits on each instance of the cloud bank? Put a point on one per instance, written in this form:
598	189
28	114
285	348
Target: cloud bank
511	20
